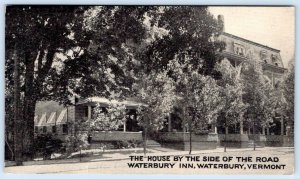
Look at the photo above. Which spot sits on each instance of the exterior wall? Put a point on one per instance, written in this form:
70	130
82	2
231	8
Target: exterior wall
181	140
53	106
80	112
116	136
234	140
238	49
251	49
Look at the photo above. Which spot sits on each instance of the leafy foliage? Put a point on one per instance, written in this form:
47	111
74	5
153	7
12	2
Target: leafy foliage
76	142
259	94
231	93
156	93
46	144
103	66
289	92
199	94
109	118
186	29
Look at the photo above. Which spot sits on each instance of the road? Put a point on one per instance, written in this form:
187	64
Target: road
239	161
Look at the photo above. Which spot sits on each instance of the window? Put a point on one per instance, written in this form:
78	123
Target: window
241	52
36	129
53	129
44	129
239	49
274	58
263	55
86	111
65	128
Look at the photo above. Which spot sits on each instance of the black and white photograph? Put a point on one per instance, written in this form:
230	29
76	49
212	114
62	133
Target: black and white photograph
119	89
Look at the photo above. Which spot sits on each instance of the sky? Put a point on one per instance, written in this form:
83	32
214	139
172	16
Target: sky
270	26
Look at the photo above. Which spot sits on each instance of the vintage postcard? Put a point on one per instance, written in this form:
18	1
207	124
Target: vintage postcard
149	89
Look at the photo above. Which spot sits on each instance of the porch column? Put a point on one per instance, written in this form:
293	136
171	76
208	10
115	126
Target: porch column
169	124
263	130
89	116
213	128
241	127
124	125
268	131
282	126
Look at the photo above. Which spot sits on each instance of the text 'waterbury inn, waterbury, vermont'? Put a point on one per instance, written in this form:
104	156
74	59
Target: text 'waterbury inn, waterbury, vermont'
53	118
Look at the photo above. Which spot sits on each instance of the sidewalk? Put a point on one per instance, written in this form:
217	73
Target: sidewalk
123	154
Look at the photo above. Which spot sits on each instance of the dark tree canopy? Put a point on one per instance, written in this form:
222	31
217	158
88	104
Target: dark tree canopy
191	30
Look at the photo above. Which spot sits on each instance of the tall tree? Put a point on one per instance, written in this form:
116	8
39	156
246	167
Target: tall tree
231	95
40	34
156	93
259	95
199	96
289	95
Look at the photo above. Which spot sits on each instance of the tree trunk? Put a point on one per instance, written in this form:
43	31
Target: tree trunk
28	138
145	133
190	152
29	106
18	121
225	139
145	140
254	141
190	130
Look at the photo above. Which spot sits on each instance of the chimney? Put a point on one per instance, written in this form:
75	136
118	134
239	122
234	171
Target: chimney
221	22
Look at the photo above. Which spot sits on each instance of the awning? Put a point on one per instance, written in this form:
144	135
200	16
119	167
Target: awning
36	119
62	118
51	119
42	121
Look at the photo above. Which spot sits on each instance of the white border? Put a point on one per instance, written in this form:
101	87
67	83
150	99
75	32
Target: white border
147	2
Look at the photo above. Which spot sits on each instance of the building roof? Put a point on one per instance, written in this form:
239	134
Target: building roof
250	42
106	101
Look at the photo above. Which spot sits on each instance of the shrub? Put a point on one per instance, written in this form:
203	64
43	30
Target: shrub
47	144
77	142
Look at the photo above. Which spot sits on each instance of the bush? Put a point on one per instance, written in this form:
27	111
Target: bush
47	144
77	142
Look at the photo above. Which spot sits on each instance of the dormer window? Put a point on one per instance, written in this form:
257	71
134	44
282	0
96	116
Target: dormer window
263	55
241	52
274	58
239	49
